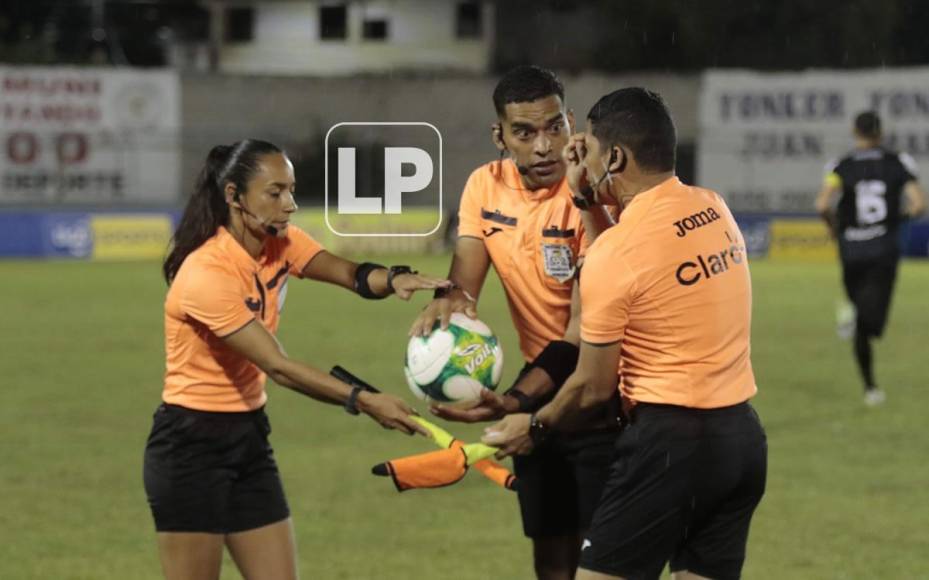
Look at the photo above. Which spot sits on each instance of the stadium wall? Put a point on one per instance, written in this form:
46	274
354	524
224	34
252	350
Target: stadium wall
297	112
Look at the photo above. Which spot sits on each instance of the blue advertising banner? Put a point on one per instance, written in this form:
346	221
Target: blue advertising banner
84	235
113	235
21	235
67	235
916	239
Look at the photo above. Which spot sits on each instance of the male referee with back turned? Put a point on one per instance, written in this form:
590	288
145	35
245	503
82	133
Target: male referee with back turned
690	468
872	183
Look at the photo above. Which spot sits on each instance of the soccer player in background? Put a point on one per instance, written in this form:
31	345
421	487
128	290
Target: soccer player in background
865	197
669	288
210	474
518	214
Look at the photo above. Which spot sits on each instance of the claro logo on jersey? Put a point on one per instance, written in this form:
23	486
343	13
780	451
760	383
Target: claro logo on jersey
706	266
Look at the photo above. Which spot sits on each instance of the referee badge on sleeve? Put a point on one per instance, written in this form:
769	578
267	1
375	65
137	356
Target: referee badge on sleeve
559	261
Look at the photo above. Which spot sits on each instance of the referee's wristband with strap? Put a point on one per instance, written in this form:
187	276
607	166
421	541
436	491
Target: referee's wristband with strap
522	399
351	405
363	271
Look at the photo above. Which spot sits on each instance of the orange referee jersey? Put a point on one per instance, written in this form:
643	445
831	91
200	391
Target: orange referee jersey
671	282
219	289
534	239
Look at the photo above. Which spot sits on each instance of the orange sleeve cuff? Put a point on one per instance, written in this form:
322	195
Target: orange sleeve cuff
302	251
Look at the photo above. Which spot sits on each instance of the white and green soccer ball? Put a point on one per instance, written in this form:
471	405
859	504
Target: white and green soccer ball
453	365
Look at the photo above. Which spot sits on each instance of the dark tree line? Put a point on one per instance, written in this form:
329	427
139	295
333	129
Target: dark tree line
574	35
618	35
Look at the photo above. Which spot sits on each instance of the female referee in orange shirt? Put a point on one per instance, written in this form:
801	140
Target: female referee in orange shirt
210	474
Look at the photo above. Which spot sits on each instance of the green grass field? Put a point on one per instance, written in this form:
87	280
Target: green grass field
82	357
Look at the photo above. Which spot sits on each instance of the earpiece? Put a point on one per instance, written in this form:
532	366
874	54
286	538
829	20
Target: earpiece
498	134
622	165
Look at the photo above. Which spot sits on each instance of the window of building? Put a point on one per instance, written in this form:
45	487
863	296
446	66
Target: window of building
375	29
468	20
333	22
240	24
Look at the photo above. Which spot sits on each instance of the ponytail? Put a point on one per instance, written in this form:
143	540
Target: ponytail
207	209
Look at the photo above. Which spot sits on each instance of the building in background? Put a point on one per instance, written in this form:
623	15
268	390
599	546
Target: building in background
333	38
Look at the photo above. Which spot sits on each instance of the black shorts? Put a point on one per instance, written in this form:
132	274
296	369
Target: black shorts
683	488
869	285
212	472
560	482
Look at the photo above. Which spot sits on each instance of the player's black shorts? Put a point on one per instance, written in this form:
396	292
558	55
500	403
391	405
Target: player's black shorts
683	488
561	481
869	285
212	472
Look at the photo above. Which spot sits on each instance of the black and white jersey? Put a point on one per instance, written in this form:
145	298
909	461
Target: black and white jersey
872	182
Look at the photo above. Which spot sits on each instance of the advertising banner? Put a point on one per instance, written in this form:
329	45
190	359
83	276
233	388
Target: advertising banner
765	138
88	136
130	237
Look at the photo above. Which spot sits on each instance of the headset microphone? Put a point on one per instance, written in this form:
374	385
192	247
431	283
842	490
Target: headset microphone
269	229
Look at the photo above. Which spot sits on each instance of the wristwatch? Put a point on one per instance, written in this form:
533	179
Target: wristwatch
351	405
395	271
538	431
585	200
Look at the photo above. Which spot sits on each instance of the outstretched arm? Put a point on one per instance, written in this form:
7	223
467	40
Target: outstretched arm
369	280
254	342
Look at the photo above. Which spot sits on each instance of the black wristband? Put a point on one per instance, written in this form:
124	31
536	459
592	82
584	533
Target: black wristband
351	405
361	280
395	271
558	360
523	400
